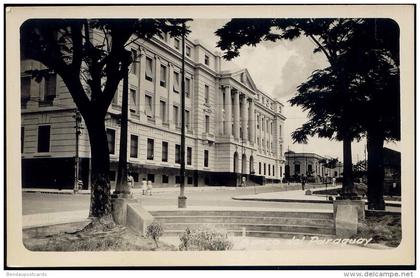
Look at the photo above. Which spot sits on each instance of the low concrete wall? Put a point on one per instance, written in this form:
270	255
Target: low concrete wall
138	218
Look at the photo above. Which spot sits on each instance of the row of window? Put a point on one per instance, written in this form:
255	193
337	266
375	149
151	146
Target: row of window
162	179
134	149
177	46
262	169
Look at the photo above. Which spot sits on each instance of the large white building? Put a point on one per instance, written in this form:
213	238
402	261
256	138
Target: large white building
232	127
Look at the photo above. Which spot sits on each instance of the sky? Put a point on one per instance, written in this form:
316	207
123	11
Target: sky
277	68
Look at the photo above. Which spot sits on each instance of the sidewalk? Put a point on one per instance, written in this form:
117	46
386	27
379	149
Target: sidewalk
298	196
134	190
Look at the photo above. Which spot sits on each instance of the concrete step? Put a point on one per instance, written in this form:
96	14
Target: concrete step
264	234
304	229
245	220
233	213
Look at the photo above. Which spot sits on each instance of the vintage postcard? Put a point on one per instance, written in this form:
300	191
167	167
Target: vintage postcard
210	136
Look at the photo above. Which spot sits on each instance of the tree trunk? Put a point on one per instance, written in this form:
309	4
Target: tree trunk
375	147
100	202
348	190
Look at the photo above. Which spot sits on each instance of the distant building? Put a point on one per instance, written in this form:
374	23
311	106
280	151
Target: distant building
310	165
232	128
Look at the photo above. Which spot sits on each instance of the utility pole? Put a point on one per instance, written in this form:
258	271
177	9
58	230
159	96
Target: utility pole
182	199
122	185
78	119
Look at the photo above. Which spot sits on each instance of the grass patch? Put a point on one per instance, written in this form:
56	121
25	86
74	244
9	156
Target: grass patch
117	238
384	229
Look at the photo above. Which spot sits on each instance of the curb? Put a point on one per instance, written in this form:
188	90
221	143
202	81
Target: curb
300	201
284	200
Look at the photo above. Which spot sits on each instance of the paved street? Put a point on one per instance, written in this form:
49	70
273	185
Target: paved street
45	203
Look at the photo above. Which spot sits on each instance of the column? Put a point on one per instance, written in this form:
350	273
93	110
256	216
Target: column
142	72
244	119
262	133
236	116
156	99
228	111
220	110
169	105
251	121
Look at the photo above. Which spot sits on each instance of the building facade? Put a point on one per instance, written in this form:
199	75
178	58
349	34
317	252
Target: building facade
232	128
310	165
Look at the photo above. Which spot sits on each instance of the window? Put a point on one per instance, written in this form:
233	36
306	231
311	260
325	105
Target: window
190	180
264	169
187	87
176	121
163	111
177	153
206	158
134	146
149	105
269	169
188	51
110	134
206	60
176	82
259	168
150	148
280	130
281	171
189	155
133	102
25	90
134	63
165	179
309	169
177	179
135	176
163	76
151	177
49	90
187	119
165	151
258	122
207	123
206	94
22	139
177	44
297	169
273	171
149	69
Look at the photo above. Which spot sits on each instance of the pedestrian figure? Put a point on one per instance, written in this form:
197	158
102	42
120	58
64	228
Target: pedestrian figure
144	186
333	181
243	181
302	180
130	181
149	187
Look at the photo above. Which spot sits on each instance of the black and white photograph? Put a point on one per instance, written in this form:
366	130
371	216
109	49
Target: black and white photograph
147	132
